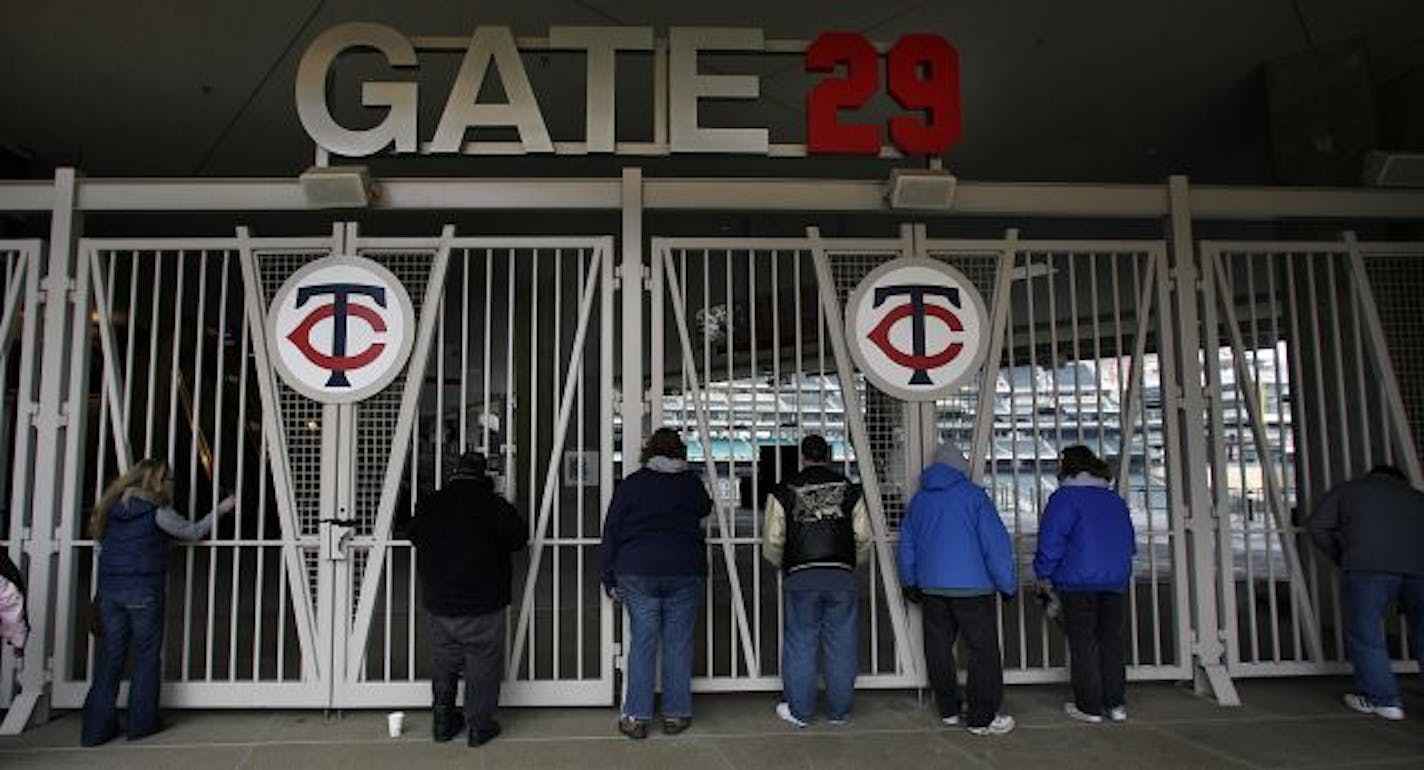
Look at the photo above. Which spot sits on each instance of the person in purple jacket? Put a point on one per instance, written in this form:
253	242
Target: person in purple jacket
1085	548
655	562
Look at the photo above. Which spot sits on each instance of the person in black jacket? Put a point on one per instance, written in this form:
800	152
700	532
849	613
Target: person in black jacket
816	527
464	534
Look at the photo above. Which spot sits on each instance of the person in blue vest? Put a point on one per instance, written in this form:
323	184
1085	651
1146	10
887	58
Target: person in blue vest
816	528
133	523
1085	549
655	562
954	556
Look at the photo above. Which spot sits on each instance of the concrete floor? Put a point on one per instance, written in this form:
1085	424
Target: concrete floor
1285	723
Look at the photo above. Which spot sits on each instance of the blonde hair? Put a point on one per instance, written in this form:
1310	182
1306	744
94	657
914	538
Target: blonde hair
150	479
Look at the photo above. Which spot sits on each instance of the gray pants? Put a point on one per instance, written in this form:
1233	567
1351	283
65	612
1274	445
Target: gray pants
472	645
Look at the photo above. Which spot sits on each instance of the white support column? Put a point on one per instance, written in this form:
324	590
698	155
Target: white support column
630	272
50	419
1209	673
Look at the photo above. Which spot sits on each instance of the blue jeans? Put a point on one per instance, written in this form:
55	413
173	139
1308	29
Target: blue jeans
1366	596
662	611
824	620
131	616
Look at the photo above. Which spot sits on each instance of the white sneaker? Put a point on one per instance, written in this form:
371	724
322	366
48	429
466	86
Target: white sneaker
1002	724
1118	713
783	710
950	721
837	722
1362	704
1071	709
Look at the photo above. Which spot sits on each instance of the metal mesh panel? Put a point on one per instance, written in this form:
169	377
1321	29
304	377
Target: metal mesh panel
884	415
1397	281
376	417
301	417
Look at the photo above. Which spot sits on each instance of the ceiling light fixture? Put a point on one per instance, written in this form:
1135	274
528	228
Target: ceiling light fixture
921	189
337	187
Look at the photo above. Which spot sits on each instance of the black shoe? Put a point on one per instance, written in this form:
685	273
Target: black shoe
88	742
637	729
447	722
481	737
144	733
675	725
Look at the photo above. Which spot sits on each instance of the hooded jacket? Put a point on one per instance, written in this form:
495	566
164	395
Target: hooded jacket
1085	540
654	523
1373	523
952	536
464	535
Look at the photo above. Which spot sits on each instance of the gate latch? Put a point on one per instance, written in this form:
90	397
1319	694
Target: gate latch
335	535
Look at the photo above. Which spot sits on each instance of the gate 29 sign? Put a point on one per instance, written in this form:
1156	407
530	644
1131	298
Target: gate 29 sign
340	329
917	328
920	73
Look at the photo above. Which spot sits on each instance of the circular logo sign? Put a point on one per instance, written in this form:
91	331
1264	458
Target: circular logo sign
340	329
917	328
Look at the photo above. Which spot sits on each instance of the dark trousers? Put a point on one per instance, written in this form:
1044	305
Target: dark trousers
976	618
1097	648
131	616
472	645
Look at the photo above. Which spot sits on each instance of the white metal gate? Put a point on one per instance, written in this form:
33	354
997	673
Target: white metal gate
1305	395
747	356
307	597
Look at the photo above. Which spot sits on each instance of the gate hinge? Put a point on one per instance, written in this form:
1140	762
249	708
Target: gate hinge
645	277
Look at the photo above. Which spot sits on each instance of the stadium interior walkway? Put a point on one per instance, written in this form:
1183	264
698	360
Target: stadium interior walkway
1289	723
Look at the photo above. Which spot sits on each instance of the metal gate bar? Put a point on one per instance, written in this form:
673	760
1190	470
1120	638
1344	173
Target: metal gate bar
17	338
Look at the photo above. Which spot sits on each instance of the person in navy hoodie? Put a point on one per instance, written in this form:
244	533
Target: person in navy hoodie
1085	548
655	561
954	556
133	522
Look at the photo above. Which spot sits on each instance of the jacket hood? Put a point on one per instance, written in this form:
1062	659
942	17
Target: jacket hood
665	464
941	476
130	507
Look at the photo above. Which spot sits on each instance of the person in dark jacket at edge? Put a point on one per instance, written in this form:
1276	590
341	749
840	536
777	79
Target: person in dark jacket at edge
655	562
1373	529
132	523
464	536
816	527
1085	549
954	555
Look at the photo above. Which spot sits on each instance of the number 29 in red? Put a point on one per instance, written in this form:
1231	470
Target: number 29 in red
923	78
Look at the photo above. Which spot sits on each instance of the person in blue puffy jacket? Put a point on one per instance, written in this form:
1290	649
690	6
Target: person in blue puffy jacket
1085	548
132	524
954	556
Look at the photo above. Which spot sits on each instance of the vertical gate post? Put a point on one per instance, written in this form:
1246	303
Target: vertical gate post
630	281
51	418
1208	650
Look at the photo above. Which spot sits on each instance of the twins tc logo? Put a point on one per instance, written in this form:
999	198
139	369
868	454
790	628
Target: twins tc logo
916	328
340	329
339	310
917	310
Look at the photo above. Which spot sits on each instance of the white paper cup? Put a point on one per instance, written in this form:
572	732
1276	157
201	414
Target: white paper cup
395	721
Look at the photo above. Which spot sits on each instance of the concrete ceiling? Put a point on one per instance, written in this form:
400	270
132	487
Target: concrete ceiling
1113	90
